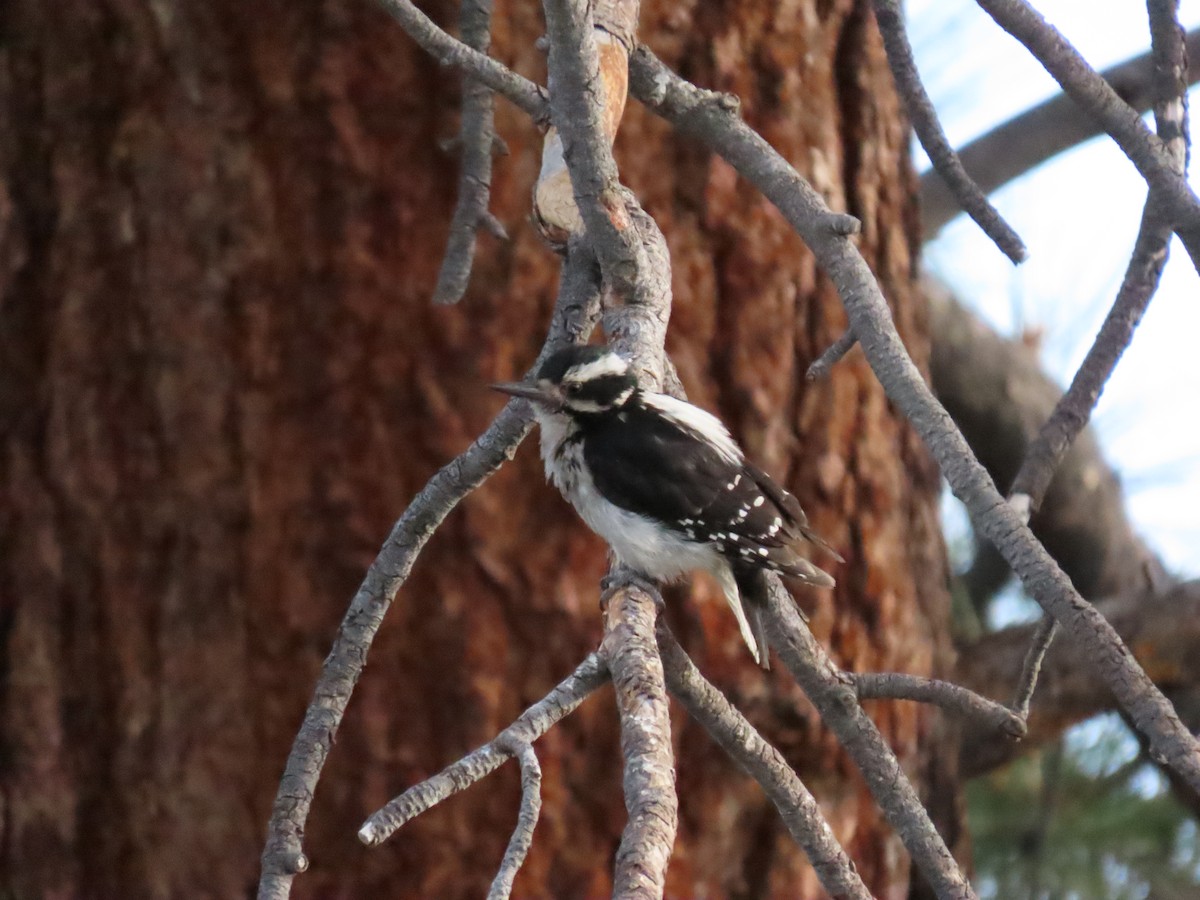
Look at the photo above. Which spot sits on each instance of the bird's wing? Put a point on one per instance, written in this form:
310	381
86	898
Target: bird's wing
659	467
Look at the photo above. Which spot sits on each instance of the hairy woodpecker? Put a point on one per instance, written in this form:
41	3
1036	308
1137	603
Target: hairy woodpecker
664	484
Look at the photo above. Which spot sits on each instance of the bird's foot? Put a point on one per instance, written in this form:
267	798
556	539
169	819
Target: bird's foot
619	578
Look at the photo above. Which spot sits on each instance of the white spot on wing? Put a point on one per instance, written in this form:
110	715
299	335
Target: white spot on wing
758	501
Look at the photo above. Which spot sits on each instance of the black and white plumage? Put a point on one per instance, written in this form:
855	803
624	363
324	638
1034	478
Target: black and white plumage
665	485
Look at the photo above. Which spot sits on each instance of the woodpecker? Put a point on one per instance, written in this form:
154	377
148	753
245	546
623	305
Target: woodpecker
665	485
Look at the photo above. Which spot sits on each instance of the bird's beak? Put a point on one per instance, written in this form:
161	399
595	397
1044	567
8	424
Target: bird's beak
529	392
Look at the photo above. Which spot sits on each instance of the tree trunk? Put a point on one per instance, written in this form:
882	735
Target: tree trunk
221	380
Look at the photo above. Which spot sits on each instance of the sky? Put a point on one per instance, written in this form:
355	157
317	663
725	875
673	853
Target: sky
1078	215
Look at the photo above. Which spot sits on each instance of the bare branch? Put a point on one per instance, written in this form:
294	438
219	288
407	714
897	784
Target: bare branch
693	113
574	66
283	857
1074	408
952	697
531	725
522	92
823	364
1031	666
1023	143
834	697
631	652
737	737
999	396
1163	628
531	807
477	135
929	130
1087	88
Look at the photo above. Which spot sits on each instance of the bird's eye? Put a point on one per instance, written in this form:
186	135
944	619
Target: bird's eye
572	388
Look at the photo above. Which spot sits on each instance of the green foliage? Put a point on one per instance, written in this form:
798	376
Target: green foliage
1088	819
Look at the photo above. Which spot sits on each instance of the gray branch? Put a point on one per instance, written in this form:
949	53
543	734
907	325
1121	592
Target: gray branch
630	650
1165	627
929	130
477	136
753	755
1031	666
835	699
1021	144
627	242
692	111
823	364
636	267
1074	409
449	52
999	396
1122	123
702	114
283	857
531	807
953	697
531	725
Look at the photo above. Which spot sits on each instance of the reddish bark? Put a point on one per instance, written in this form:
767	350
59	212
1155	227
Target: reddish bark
221	380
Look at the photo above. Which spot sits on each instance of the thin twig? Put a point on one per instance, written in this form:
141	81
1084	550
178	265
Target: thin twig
450	52
1165	627
531	807
477	135
947	695
1031	667
458	776
929	131
283	857
693	113
574	71
745	746
1087	88
835	699
630	650
1024	142
998	395
833	354
1074	408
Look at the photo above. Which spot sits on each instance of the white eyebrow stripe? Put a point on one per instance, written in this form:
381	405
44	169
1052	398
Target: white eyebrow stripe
697	421
608	364
585	406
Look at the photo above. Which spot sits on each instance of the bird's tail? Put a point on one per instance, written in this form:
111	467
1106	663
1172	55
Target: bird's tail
752	585
747	610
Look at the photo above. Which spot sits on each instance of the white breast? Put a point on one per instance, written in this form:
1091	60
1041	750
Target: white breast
637	541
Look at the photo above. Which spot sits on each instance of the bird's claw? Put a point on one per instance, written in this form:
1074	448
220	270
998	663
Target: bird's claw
618	579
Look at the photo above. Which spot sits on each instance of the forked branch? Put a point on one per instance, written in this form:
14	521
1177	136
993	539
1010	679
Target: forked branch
929	131
692	112
531	725
283	857
750	751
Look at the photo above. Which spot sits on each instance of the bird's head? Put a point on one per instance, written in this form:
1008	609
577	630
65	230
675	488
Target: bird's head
579	381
